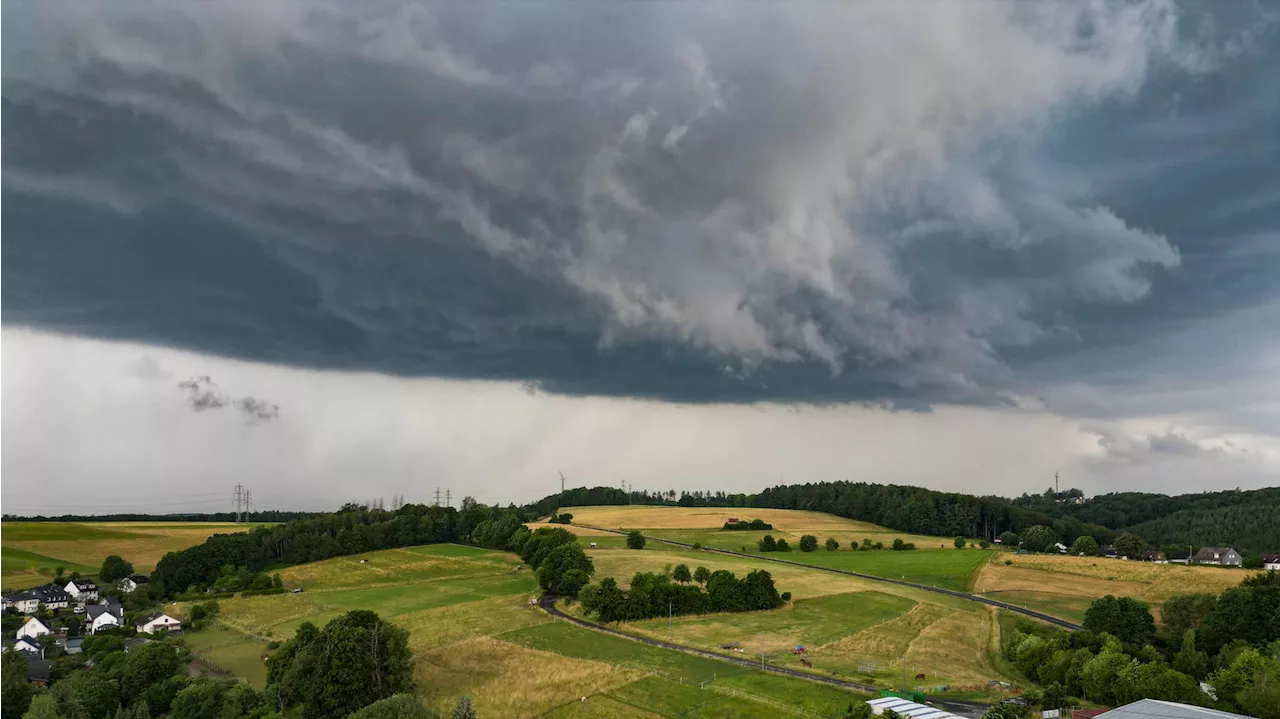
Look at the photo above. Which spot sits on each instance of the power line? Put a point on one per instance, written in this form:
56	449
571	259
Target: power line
447	501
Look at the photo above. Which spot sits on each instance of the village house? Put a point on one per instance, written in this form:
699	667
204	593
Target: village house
24	602
1221	556
1271	562
33	628
158	622
1108	550
30	647
1155	557
131	583
104	616
82	590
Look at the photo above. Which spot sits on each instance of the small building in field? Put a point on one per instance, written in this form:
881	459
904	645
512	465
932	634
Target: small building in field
1220	556
731	520
158	622
1060	547
1271	562
130	584
1157	709
1155	556
33	628
1108	550
907	708
81	589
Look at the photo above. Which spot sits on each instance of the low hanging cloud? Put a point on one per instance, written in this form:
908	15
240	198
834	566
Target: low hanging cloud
203	394
648	200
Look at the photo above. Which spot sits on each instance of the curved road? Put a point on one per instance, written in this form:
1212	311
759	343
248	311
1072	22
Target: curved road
548	604
902	582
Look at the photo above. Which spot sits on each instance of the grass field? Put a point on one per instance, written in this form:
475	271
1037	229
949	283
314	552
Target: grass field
82	546
1064	586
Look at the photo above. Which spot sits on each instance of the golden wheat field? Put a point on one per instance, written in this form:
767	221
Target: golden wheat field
1097	576
632	517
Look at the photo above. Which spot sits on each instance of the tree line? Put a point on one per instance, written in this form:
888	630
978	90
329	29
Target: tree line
1231	641
659	595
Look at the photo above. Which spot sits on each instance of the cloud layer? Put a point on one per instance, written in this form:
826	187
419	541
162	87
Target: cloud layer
872	201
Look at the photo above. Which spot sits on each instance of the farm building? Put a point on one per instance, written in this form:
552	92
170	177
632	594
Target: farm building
1271	562
1156	709
906	708
1222	556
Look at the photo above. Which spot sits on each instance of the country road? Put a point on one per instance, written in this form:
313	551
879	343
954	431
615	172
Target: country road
901	582
548	604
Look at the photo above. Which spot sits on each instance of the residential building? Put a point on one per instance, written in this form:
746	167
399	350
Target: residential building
52	596
33	627
1155	556
104	616
1157	709
25	602
30	647
1222	556
158	622
1108	550
83	590
130	583
1271	562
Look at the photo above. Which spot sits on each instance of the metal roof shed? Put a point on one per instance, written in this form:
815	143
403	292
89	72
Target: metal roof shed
907	708
1156	709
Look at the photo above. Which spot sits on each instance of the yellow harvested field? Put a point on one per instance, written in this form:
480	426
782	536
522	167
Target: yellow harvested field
954	649
508	680
1150	582
142	543
632	517
800	581
996	577
580	531
390	566
887	641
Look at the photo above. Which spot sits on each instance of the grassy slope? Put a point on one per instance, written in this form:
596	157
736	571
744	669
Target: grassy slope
82	546
467	614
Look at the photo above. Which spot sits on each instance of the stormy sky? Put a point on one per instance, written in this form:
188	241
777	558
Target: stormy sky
337	250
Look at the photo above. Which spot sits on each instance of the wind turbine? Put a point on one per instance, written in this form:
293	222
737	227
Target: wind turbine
562	479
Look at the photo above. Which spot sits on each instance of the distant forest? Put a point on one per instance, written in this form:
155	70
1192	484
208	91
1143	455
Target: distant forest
1249	521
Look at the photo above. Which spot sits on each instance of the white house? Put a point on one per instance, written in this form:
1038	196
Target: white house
52	596
82	590
104	616
130	583
1062	548
25	602
1222	556
29	646
33	628
158	622
1271	562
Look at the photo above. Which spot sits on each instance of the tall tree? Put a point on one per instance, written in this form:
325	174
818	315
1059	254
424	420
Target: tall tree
14	685
114	568
635	539
1126	619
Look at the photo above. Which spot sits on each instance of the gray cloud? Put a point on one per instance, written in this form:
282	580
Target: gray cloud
910	205
203	394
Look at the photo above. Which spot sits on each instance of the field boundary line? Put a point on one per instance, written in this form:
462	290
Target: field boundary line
548	604
901	582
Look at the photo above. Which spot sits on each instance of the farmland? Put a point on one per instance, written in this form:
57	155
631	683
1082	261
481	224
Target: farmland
32	550
473	631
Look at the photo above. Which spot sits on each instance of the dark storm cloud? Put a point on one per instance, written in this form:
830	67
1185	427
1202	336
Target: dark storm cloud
203	394
881	202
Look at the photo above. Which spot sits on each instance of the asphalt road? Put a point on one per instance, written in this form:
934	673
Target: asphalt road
961	595
548	604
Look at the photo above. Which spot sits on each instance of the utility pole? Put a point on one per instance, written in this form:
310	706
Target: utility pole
447	501
761	651
1056	491
437	496
248	504
238	499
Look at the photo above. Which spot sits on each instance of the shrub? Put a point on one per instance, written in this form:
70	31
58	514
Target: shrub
767	543
782	546
959	542
808	543
832	545
635	540
786	596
